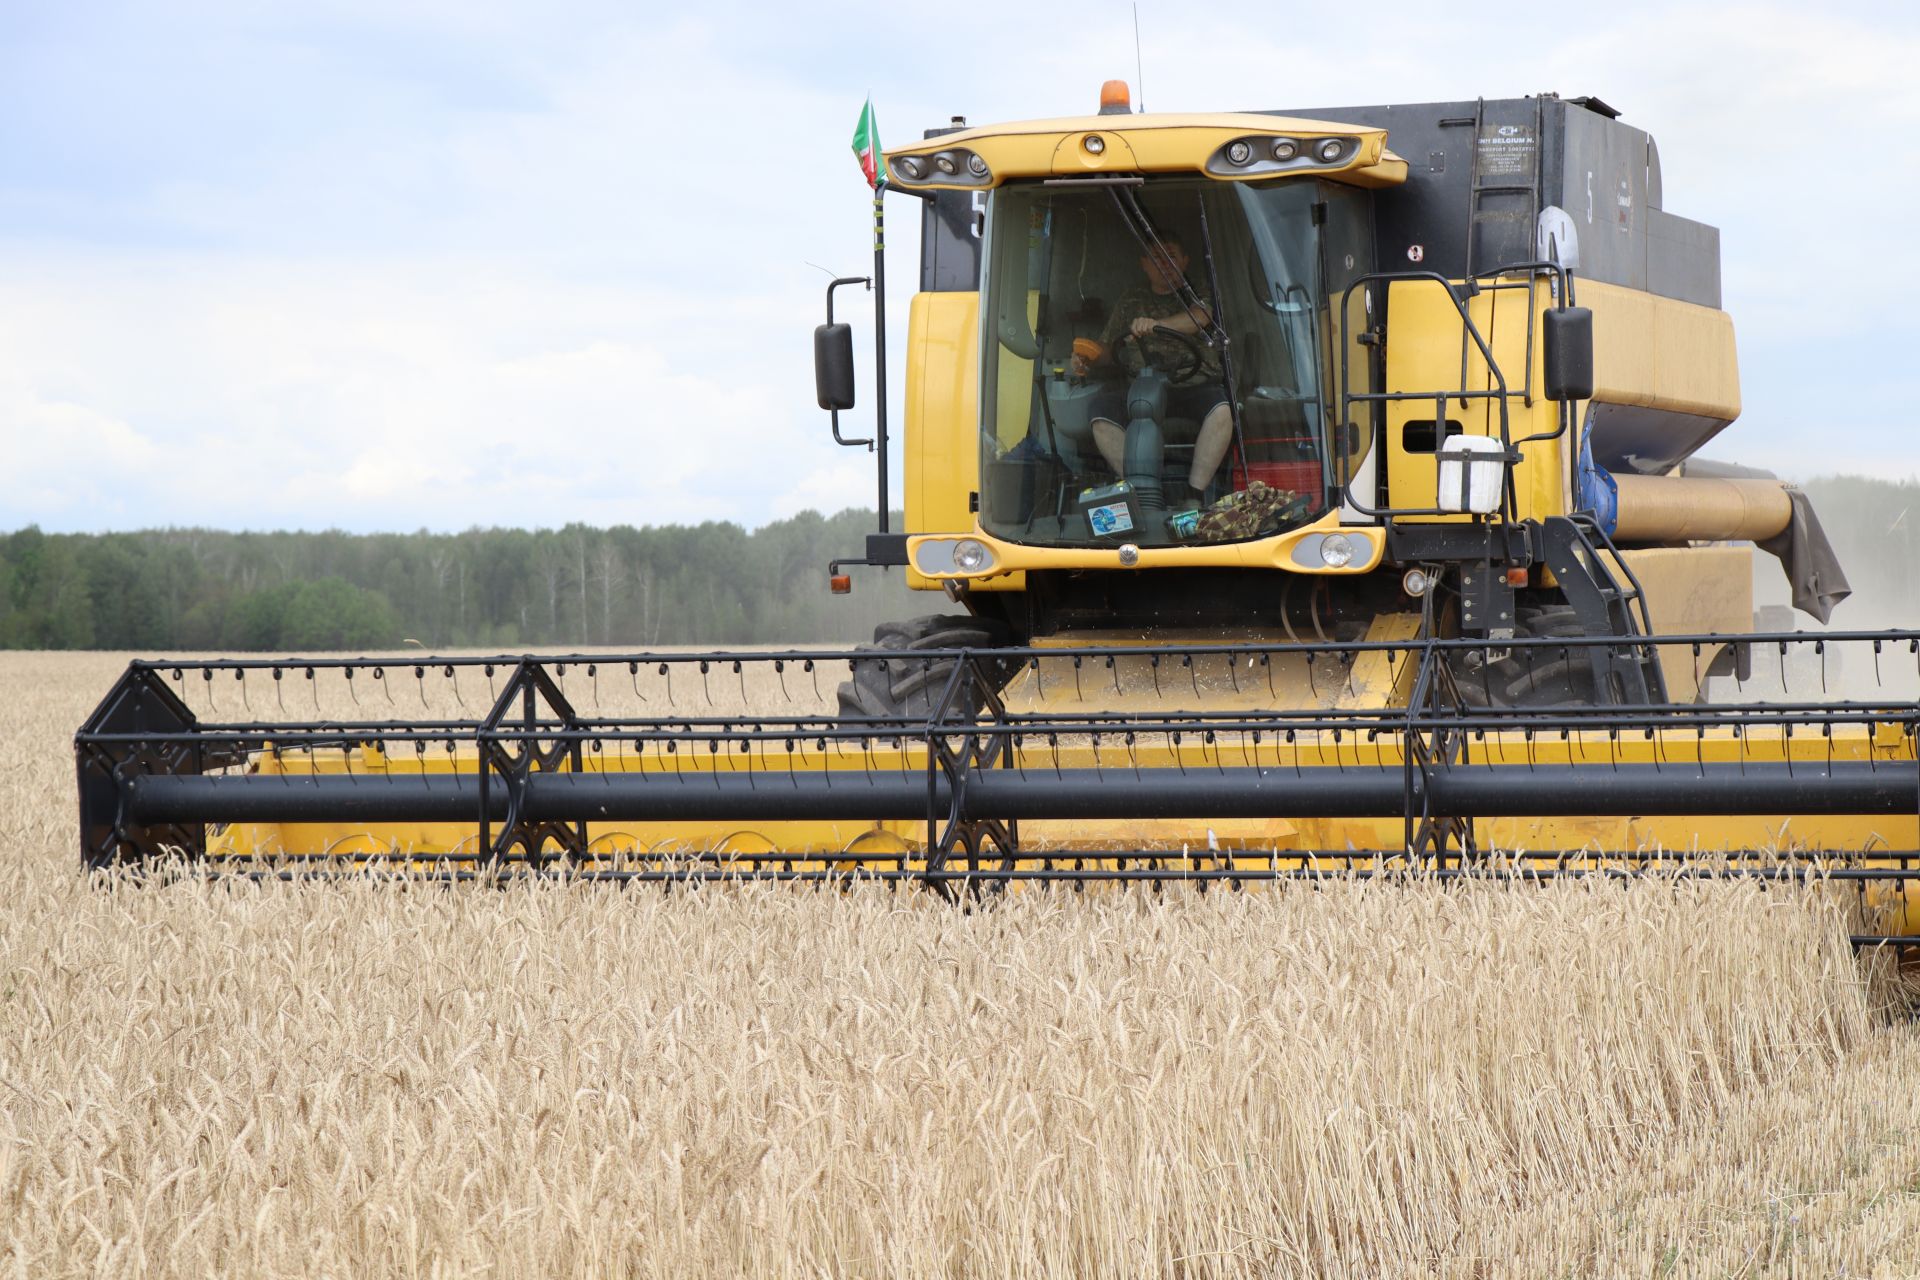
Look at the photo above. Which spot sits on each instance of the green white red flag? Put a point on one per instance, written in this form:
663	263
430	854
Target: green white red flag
866	146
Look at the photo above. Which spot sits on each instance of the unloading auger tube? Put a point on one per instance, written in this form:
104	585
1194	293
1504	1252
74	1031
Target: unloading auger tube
1095	764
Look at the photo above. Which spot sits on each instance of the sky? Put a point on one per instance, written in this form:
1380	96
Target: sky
368	264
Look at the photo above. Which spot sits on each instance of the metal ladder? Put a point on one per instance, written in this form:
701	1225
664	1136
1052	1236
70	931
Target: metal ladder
1478	188
1608	603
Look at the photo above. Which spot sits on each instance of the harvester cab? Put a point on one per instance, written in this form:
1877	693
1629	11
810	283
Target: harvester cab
1311	492
1151	352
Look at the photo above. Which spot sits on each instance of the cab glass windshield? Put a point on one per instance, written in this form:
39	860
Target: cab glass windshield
1154	360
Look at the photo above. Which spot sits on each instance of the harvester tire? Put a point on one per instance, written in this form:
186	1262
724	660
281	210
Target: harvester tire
1542	677
896	684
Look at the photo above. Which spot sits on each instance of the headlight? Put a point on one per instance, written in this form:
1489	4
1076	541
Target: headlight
970	556
977	166
1094	144
1332	149
1336	551
1239	152
946	164
910	166
1285	149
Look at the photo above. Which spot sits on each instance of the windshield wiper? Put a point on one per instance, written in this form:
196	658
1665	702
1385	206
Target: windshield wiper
1150	243
1226	347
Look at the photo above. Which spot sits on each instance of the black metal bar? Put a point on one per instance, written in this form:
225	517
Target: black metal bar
1910	638
1344	791
880	341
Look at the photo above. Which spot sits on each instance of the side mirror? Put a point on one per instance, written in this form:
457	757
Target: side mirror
833	366
1567	353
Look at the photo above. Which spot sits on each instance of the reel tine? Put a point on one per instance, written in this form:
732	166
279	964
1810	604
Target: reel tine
240	678
279	690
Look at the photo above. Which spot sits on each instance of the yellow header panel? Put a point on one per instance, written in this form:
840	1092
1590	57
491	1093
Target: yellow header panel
1230	147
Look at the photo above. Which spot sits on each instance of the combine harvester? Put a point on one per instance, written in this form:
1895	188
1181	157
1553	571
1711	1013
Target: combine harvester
1314	507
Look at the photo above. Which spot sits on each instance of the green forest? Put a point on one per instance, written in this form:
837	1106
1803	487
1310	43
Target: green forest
492	588
505	588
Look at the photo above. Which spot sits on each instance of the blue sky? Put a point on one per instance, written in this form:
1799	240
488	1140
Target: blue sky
373	266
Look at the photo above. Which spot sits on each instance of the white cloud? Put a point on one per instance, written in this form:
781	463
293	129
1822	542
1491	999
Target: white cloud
474	264
59	454
434	395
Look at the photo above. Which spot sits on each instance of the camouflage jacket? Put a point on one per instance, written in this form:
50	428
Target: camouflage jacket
1169	354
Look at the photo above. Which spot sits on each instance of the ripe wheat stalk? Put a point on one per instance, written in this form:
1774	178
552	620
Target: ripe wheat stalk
1353	1080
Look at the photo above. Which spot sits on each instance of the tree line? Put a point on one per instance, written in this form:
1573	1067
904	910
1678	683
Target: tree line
713	583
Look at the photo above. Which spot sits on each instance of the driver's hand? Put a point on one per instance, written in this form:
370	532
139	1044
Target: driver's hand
1078	364
1143	327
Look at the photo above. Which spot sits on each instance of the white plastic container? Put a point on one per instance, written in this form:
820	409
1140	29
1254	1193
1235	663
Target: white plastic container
1472	474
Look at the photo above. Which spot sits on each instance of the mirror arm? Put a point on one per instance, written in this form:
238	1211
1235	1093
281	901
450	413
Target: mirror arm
837	282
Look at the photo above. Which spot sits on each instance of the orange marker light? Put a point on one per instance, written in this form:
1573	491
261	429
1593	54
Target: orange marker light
1516	577
1114	98
841	584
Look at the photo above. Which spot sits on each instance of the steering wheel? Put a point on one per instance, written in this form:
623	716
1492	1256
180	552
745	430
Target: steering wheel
1195	354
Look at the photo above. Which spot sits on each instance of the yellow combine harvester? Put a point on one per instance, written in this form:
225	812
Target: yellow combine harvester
1319	489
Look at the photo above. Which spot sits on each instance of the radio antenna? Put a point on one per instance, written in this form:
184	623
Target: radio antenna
1139	70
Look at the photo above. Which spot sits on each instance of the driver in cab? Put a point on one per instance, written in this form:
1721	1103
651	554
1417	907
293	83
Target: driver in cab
1129	341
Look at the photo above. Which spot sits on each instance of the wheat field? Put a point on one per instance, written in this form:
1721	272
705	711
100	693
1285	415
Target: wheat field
1356	1080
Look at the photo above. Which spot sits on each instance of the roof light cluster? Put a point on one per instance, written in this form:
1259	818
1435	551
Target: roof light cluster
956	166
1245	157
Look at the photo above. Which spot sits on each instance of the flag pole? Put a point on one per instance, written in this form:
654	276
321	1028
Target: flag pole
880	337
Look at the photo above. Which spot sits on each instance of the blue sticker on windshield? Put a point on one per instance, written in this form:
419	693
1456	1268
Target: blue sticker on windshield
1113	518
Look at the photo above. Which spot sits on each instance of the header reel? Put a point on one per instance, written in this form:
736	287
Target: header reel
1228	765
